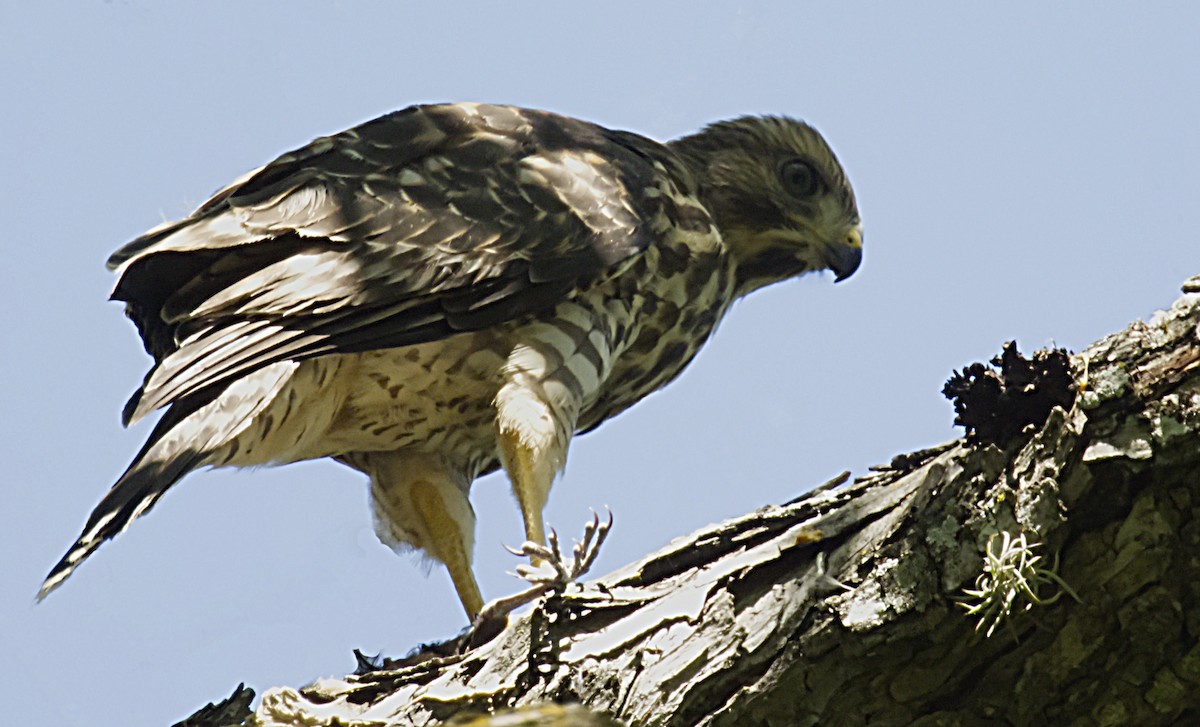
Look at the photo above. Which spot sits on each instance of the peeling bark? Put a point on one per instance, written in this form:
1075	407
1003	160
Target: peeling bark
843	607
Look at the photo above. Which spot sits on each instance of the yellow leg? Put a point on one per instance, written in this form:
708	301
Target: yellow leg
529	483
447	544
421	502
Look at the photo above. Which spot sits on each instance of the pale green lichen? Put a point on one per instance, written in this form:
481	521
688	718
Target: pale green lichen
944	536
1011	581
1096	387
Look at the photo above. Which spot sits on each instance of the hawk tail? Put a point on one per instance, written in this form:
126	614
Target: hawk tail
194	432
163	461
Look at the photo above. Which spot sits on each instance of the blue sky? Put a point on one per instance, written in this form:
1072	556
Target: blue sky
1029	174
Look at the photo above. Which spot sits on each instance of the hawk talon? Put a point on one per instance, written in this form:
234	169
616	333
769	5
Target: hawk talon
530	549
558	576
556	558
597	530
825	580
583	555
491	618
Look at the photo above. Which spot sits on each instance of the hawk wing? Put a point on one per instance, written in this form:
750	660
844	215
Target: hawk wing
413	227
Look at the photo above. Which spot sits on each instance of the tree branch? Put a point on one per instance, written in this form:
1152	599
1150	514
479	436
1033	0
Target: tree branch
845	606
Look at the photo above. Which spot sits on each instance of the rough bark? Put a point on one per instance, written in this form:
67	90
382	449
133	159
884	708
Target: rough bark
845	606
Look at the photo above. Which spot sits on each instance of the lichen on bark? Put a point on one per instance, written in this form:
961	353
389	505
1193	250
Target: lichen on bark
842	606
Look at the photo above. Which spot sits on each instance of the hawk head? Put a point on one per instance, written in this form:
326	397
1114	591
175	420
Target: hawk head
779	196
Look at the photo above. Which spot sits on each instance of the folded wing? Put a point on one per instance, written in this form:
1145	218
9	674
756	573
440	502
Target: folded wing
416	226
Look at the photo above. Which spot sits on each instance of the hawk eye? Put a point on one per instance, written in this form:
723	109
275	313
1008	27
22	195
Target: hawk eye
799	178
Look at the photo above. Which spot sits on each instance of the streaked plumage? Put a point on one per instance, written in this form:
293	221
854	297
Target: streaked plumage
448	289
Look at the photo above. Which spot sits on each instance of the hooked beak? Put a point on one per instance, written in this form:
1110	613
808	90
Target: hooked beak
843	258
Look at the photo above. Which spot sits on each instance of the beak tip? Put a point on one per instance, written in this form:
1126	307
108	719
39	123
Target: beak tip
844	262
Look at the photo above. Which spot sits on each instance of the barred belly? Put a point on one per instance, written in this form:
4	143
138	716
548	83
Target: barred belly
443	396
563	371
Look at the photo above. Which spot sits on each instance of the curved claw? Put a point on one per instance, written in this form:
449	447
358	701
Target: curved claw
561	573
530	549
492	617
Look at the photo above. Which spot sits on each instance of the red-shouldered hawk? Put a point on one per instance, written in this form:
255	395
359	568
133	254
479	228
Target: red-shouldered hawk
453	288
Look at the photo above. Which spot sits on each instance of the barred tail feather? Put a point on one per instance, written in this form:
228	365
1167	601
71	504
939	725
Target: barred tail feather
190	434
162	462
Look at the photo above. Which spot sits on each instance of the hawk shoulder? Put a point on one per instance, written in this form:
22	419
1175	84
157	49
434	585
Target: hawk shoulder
409	228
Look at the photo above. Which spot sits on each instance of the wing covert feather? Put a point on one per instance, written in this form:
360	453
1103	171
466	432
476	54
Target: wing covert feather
412	227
